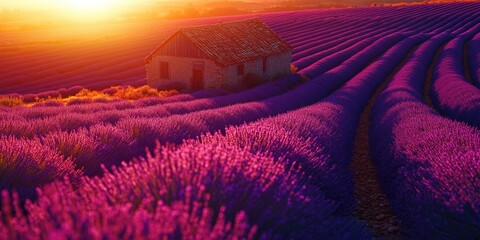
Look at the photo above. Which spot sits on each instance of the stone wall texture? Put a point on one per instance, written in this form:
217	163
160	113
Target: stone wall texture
215	76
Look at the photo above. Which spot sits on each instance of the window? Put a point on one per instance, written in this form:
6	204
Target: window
265	64
164	74
240	70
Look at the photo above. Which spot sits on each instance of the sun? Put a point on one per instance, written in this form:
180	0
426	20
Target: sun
91	5
90	10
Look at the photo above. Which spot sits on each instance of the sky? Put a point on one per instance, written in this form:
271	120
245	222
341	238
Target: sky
91	10
80	10
62	4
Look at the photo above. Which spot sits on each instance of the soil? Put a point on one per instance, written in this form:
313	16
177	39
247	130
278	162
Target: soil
429	78
373	206
466	64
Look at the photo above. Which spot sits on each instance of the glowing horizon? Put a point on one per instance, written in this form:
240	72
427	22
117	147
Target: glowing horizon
84	10
65	4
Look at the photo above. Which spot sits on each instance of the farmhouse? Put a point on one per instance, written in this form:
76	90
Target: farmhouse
224	55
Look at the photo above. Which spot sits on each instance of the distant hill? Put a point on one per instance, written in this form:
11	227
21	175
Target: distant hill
234	7
344	3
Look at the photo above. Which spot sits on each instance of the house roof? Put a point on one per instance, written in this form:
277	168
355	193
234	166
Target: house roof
233	42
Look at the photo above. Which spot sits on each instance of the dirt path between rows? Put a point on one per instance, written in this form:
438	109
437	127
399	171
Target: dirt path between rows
429	78
373	206
466	64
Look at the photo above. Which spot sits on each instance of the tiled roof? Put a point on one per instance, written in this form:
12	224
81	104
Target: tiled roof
234	42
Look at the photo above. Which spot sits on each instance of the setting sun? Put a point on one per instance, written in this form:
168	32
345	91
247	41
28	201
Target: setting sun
90	5
88	10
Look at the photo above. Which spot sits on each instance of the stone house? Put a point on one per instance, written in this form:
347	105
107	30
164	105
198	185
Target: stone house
224	55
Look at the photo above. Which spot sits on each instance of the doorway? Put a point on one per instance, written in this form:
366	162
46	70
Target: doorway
197	76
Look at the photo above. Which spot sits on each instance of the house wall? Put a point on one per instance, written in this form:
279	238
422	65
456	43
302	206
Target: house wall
181	71
277	66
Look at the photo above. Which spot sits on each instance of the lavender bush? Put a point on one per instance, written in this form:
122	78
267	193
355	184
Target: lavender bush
426	162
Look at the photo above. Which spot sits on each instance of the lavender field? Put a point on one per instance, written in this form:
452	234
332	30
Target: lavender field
377	135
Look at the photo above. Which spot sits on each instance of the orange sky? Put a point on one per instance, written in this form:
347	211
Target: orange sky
87	10
66	4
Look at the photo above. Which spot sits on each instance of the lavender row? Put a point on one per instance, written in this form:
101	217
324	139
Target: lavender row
153	108
320	136
27	164
320	66
316	50
321	50
474	59
426	163
393	17
463	103
89	105
322	43
92	105
195	191
391	22
314	29
64	92
100	79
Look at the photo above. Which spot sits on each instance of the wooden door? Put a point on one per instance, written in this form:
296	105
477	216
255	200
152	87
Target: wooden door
197	76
